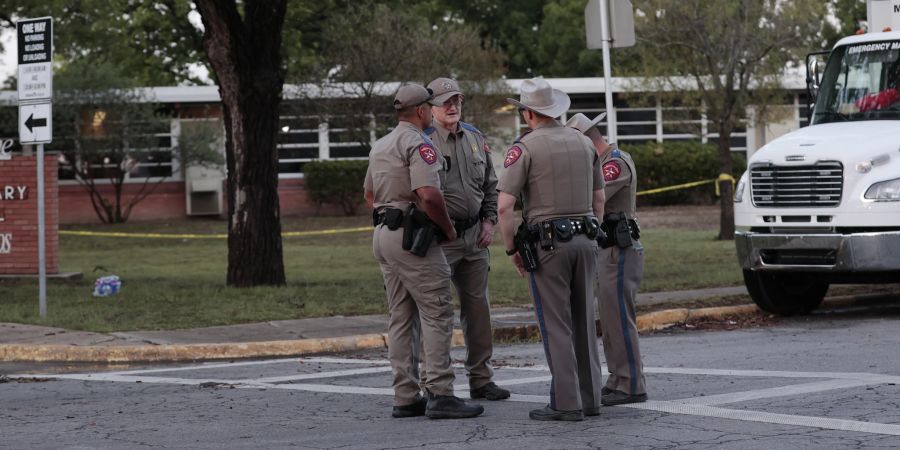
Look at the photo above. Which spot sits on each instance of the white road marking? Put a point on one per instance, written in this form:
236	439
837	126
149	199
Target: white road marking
696	406
757	416
781	391
757	373
257	363
312	376
208	366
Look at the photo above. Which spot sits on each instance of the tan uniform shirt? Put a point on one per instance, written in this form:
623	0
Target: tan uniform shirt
621	182
399	163
470	184
556	169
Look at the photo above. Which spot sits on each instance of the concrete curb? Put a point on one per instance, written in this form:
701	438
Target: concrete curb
194	352
265	349
656	320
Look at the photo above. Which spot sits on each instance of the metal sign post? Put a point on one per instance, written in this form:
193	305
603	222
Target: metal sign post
611	123
35	88
609	23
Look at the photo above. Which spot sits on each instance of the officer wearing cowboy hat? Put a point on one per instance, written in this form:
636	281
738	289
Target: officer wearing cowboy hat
403	170
470	190
556	171
619	274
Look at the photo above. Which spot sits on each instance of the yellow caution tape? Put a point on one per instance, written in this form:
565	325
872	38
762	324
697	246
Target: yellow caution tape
674	188
205	236
724	177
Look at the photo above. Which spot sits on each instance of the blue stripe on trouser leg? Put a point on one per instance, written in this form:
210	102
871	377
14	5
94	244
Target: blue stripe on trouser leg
623	318
539	310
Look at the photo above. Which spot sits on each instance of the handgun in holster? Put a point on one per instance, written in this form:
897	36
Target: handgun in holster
617	229
419	231
525	240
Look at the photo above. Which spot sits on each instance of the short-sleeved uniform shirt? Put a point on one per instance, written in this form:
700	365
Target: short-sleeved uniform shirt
401	162
556	170
621	182
470	184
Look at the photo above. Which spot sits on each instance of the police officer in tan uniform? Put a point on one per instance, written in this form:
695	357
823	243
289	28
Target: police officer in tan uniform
619	272
557	172
470	190
403	171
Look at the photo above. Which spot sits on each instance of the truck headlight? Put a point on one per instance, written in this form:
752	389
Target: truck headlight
885	191
739	190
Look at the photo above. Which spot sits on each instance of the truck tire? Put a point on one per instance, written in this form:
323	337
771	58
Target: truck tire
785	293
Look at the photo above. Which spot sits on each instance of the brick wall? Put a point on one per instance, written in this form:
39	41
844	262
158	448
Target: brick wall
18	211
167	202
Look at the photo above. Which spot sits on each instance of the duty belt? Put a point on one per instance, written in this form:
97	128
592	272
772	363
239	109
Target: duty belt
563	229
462	225
390	217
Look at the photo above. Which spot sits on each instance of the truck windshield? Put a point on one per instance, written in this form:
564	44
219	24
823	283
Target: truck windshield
861	82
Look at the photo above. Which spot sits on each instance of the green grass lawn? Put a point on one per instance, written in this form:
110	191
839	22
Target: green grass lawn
180	283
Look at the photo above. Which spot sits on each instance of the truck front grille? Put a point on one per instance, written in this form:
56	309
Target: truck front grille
815	185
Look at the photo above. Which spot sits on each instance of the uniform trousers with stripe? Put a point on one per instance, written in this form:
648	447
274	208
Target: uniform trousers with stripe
420	303
470	266
562	290
619	275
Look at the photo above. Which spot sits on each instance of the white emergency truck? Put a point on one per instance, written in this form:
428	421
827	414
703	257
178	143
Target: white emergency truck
821	205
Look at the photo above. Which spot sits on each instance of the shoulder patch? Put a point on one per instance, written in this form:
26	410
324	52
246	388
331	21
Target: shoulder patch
512	155
470	127
611	171
426	151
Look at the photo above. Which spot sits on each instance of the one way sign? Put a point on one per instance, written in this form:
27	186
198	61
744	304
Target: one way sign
35	124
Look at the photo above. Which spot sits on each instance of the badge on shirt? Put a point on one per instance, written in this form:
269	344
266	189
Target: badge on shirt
512	155
427	153
611	171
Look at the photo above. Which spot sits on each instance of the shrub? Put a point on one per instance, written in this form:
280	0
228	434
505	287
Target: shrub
336	182
673	163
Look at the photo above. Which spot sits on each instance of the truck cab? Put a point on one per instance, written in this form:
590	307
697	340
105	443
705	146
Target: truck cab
821	205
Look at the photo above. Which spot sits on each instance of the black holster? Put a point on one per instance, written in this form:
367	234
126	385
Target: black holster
525	240
618	230
419	231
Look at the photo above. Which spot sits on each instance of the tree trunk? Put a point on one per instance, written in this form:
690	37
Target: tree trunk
245	55
726	188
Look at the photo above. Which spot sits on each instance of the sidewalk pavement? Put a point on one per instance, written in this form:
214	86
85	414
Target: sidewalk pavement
34	343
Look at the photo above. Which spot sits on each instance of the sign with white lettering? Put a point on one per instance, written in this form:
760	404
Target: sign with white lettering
35	123
5	152
35	58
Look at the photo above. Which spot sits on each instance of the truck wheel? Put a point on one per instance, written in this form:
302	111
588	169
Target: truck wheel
785	293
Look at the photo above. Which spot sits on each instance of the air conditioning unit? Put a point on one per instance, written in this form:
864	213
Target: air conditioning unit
204	194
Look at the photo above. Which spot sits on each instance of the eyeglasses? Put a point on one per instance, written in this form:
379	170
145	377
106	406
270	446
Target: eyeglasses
456	101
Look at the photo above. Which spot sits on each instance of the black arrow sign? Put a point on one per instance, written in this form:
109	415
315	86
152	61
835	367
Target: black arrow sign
32	122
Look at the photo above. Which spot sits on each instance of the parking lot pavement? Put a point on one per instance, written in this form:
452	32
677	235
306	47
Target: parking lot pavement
824	381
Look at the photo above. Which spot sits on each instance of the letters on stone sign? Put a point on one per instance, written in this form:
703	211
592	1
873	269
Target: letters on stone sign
5	243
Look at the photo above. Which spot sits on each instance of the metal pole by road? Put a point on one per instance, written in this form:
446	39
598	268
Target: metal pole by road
42	245
611	131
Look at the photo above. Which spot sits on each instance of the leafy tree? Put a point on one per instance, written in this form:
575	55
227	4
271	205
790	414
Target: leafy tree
850	14
711	52
106	131
361	67
243	45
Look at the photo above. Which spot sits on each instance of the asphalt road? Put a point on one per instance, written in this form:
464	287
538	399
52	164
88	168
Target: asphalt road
830	380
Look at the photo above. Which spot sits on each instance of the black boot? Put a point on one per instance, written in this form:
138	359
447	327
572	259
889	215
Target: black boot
450	407
548	413
411	410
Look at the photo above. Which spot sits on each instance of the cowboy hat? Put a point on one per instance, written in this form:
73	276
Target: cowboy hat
537	95
581	123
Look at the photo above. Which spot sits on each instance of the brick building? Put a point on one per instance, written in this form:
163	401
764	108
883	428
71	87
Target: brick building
303	138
